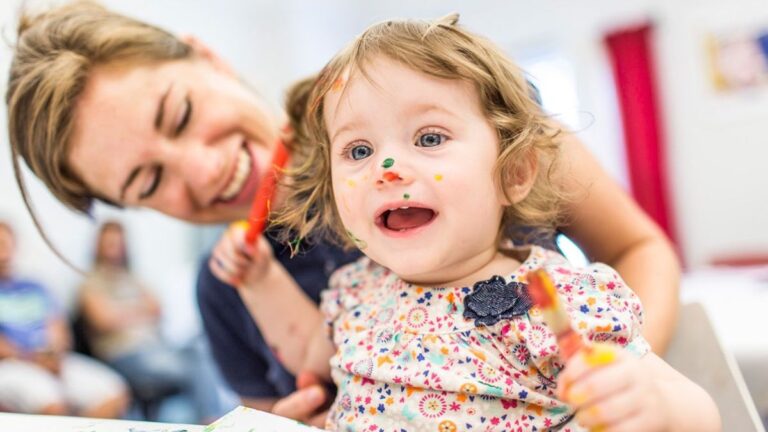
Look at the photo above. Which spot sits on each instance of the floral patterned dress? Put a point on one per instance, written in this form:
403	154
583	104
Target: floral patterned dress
413	358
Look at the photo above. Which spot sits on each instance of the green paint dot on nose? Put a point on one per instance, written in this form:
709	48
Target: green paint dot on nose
388	162
406	196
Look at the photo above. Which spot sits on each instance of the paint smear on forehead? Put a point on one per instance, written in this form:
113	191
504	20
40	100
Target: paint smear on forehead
341	81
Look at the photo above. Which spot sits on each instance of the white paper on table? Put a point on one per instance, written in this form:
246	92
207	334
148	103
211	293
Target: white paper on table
242	419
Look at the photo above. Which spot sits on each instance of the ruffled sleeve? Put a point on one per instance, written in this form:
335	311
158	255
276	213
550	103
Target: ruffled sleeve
601	305
601	308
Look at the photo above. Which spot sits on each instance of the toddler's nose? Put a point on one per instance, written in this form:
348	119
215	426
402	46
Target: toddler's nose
393	177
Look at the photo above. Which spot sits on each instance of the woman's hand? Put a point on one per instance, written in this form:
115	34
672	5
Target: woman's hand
305	404
612	391
237	263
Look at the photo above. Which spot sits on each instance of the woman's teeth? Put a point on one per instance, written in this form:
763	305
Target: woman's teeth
242	171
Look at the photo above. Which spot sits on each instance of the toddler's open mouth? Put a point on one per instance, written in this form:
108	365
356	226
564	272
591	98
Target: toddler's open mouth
405	218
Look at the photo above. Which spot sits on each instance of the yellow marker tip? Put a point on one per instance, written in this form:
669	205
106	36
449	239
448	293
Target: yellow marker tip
599	355
242	224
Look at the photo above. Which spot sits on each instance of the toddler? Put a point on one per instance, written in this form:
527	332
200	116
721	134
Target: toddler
421	144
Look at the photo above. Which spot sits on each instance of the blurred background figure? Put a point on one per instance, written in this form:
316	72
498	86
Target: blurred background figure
39	374
121	324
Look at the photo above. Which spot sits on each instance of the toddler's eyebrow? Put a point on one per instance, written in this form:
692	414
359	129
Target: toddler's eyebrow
345	127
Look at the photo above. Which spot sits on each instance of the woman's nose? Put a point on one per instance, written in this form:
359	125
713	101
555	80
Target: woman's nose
201	168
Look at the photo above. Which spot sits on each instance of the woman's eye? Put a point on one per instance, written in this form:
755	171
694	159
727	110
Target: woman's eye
430	139
153	183
187	113
360	152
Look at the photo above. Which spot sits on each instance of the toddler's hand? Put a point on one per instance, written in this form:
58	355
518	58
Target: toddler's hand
237	263
611	391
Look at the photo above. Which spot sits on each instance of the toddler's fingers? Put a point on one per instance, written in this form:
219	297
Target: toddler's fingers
607	381
637	422
222	273
609	411
232	258
237	233
585	362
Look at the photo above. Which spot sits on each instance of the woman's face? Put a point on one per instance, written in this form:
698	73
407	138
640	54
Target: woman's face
184	137
111	246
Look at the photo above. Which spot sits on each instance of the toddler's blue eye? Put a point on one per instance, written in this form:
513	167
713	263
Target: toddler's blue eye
360	152
430	140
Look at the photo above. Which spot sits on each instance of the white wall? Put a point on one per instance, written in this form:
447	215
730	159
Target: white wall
716	156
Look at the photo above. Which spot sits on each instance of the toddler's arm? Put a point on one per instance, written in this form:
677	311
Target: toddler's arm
285	315
627	393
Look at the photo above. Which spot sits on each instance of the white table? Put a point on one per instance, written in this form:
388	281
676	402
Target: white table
38	423
240	419
736	300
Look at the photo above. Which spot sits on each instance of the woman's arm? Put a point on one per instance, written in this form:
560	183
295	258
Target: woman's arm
610	227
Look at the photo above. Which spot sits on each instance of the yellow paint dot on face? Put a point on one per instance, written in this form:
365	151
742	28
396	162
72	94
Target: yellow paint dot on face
351	183
438	177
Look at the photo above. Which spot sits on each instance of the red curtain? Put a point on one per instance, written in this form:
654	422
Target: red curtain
631	54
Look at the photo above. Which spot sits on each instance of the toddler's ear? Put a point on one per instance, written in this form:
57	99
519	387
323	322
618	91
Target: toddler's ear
519	177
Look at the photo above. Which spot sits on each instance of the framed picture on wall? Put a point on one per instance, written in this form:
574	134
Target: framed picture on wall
739	60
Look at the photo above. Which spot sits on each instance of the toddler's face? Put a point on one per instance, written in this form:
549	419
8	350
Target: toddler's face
412	160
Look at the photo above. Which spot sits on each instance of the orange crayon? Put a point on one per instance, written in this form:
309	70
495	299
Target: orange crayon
544	295
257	218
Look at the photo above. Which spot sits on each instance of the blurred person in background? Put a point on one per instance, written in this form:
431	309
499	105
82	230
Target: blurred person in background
122	320
39	374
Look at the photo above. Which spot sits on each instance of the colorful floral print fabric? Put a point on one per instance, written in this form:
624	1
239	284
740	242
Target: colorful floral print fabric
409	360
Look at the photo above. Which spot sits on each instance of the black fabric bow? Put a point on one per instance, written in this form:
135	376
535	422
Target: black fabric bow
494	299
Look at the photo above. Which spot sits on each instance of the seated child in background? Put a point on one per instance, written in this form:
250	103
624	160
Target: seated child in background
421	145
39	374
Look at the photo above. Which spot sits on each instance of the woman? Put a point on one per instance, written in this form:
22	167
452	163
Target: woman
103	107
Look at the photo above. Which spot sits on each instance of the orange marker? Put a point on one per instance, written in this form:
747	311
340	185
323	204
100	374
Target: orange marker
257	218
544	295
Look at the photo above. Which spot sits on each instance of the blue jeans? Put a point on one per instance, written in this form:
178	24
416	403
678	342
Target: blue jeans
159	369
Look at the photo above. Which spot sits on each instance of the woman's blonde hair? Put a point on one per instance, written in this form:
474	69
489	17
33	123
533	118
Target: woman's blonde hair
53	56
445	50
